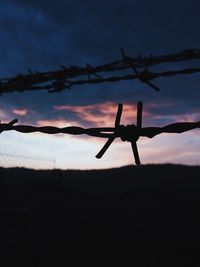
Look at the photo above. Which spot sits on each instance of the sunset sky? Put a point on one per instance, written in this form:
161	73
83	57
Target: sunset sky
42	35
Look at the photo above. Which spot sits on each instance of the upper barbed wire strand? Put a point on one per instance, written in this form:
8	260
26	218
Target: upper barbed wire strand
67	77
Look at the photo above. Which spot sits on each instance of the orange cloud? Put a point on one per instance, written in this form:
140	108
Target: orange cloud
20	112
102	114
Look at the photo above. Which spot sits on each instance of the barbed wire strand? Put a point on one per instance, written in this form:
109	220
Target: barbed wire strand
67	77
129	133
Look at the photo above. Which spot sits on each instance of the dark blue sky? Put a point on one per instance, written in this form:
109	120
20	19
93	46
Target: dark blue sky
42	35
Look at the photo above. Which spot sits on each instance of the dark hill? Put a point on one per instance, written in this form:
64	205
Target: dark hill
147	216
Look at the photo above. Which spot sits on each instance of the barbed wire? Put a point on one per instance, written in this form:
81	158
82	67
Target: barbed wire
67	77
129	133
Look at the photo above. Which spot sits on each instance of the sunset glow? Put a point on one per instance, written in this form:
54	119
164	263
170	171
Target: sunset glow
78	152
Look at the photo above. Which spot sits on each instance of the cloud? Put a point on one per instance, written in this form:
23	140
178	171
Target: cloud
102	114
3	115
60	123
20	112
138	25
42	35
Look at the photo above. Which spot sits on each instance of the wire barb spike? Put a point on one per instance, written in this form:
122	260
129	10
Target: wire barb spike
113	136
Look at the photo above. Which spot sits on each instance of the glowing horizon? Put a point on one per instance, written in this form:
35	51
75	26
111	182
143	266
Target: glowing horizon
78	152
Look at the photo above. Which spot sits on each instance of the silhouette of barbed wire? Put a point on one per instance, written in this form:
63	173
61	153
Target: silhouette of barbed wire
129	133
67	77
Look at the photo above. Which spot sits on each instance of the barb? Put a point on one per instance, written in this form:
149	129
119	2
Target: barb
144	76
129	133
67	77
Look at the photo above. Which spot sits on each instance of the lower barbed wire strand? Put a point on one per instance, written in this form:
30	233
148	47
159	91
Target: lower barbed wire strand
126	133
73	130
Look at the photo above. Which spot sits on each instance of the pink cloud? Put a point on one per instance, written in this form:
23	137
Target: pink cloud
20	112
102	114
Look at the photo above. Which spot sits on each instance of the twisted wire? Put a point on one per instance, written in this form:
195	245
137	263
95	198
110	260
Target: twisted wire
126	133
67	77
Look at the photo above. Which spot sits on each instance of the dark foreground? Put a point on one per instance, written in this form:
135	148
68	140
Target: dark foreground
133	216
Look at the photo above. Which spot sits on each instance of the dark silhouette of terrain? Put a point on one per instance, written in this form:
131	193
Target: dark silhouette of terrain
133	216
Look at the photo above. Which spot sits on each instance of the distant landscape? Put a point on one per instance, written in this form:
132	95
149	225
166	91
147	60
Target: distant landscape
146	215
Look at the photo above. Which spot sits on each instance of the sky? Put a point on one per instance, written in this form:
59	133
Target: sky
42	35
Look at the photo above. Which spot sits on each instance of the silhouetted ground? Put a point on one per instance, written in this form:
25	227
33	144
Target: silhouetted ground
133	216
